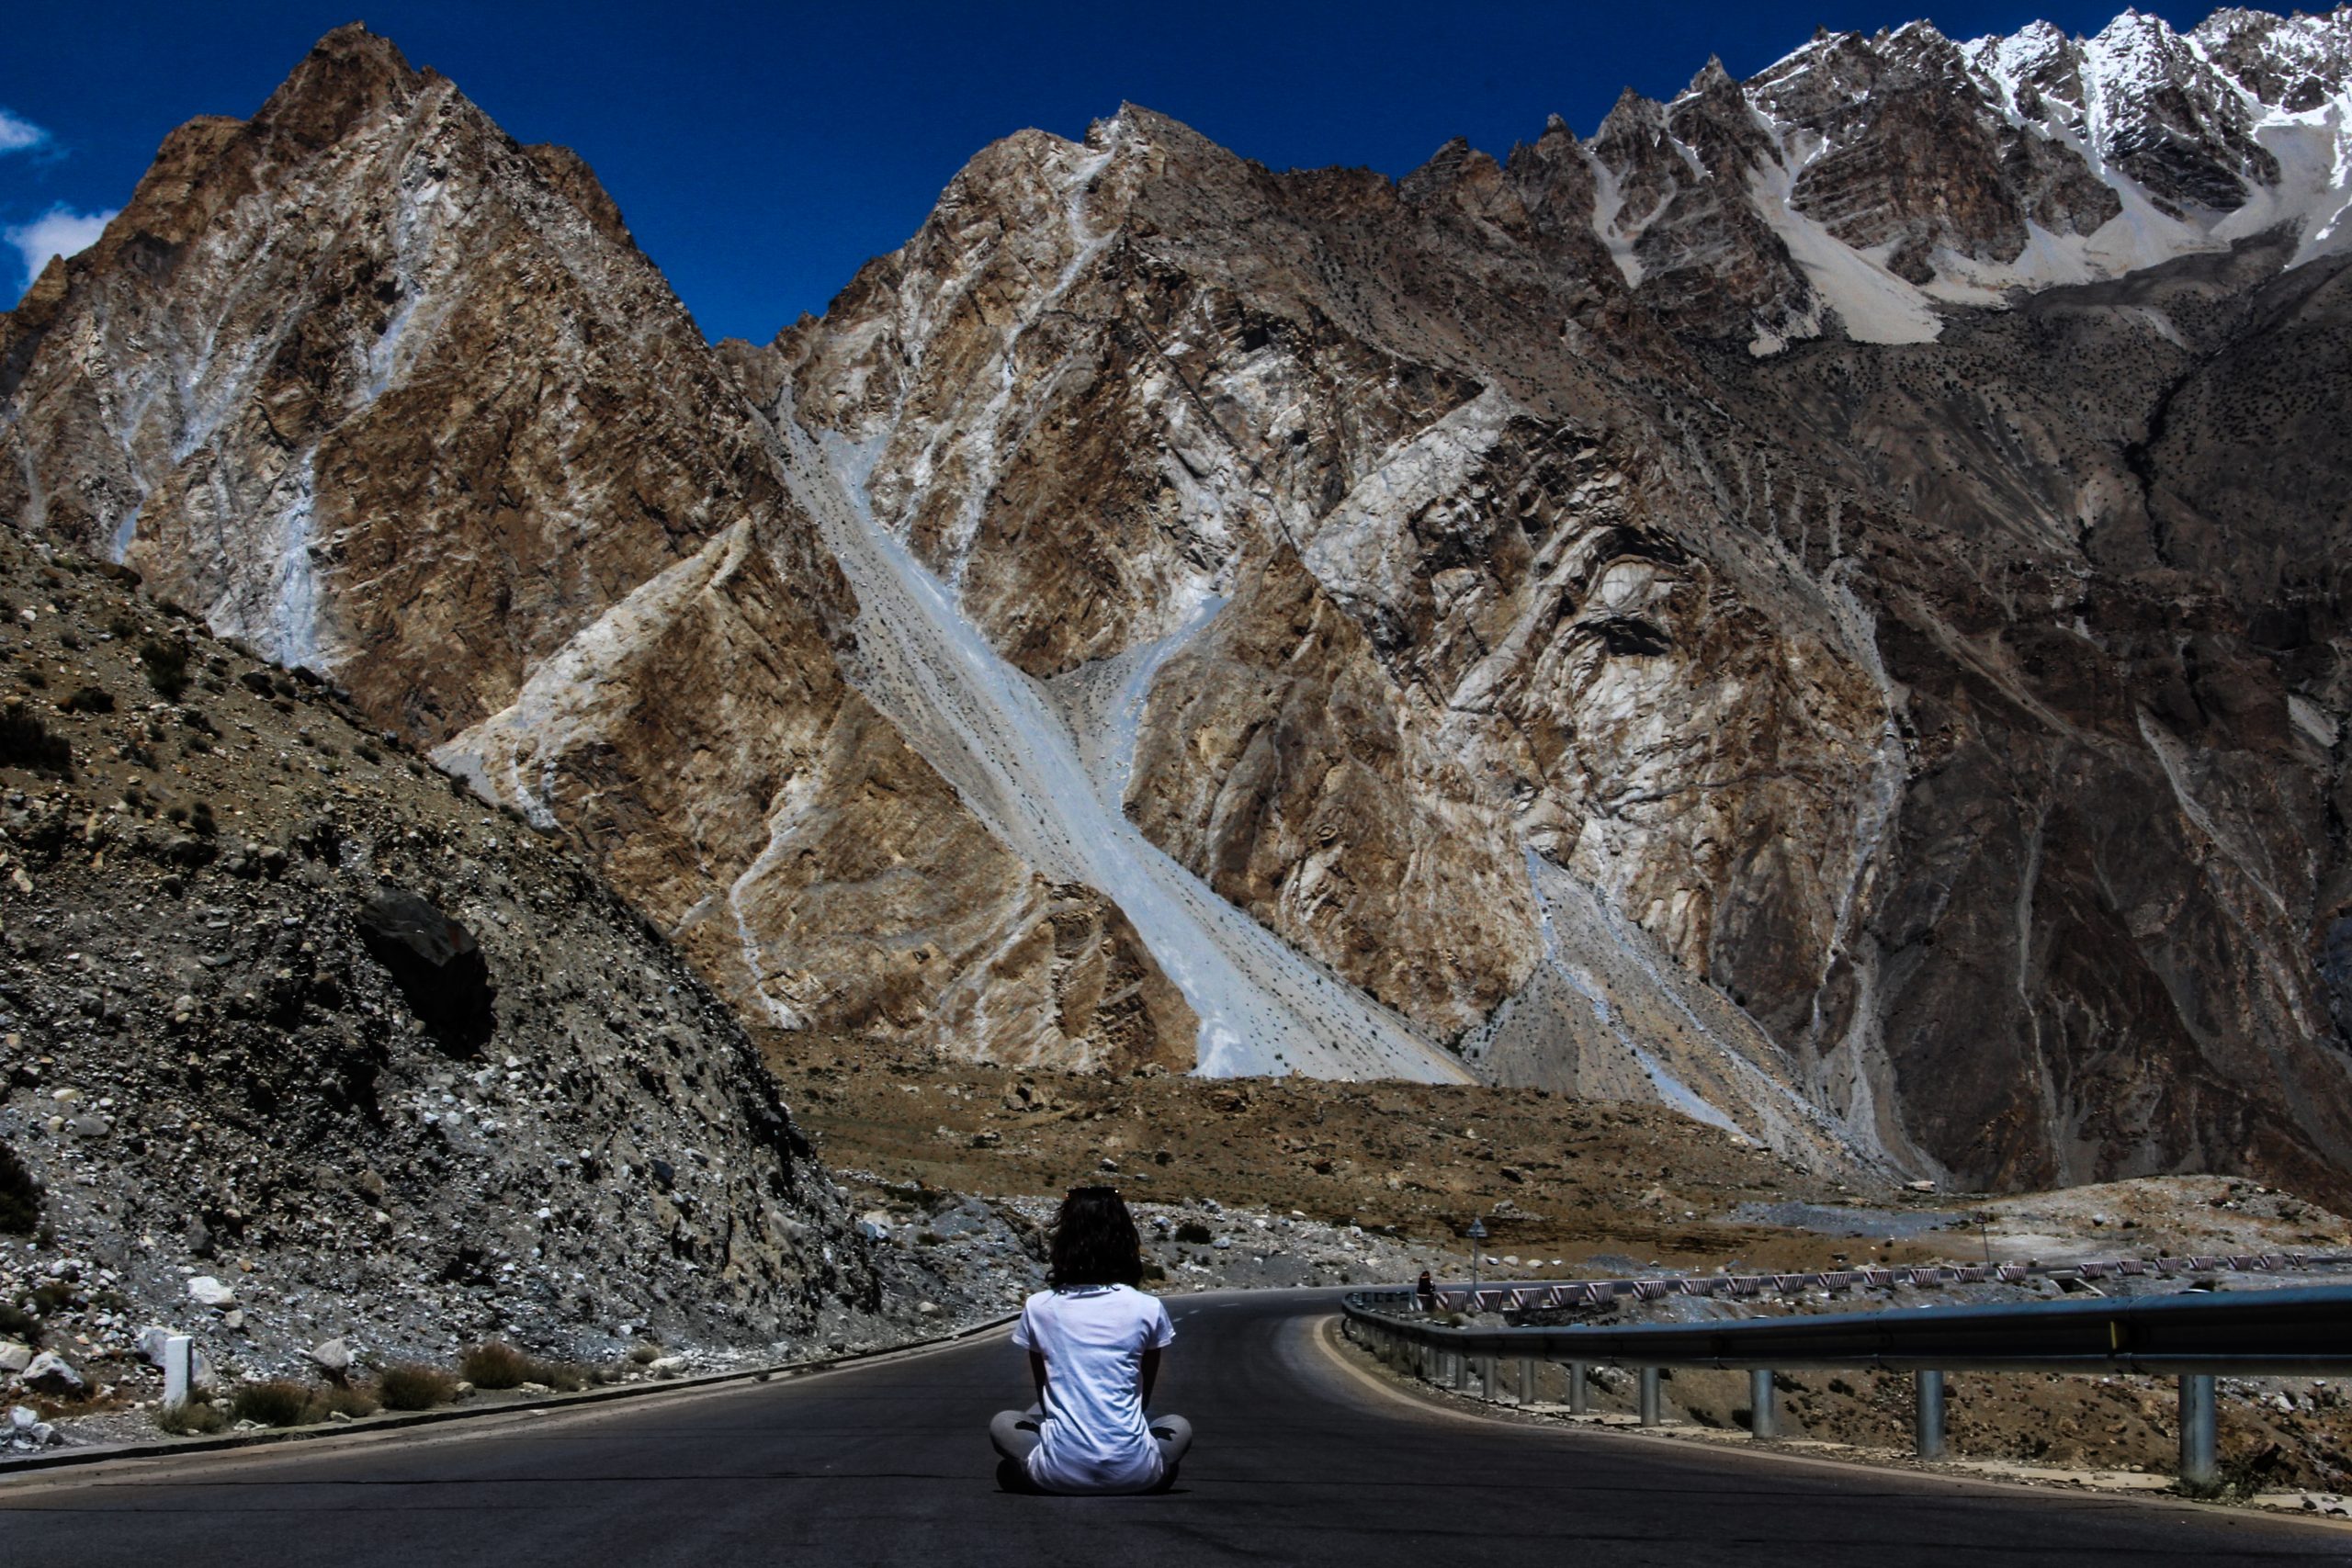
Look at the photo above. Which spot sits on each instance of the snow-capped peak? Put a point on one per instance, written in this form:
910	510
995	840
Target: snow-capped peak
1911	169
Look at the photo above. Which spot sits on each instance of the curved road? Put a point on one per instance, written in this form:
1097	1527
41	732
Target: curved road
1299	1460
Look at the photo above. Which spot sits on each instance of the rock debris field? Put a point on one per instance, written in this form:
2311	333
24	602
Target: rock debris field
298	1043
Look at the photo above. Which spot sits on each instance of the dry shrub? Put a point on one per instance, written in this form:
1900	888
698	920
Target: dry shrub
332	1401
410	1386
166	664
279	1401
88	699
26	742
499	1365
192	1418
495	1365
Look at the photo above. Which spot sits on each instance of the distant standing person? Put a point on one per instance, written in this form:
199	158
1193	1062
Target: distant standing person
1094	1342
1426	1289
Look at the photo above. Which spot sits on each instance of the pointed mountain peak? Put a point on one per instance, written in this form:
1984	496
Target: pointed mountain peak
2135	27
570	174
349	76
1631	109
1441	169
1712	78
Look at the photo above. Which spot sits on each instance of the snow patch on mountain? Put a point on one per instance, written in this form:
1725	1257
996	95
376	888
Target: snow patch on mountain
1873	304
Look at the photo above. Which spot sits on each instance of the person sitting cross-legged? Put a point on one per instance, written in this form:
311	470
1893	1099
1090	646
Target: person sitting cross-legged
1094	1344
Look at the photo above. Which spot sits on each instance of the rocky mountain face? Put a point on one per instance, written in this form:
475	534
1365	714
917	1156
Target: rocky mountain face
301	1040
390	395
1815	605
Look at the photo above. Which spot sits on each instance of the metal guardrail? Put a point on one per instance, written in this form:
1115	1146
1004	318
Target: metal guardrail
1527	1295
2192	1335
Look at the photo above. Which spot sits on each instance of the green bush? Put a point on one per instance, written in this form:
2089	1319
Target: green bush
410	1386
1195	1234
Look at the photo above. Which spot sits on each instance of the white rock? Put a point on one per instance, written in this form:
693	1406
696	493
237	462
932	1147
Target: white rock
15	1358
206	1290
332	1356
23	1418
49	1373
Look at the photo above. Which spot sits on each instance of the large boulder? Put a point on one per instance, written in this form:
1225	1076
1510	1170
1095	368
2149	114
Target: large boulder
20	1195
436	964
51	1374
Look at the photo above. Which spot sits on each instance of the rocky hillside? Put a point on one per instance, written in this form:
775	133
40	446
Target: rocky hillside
301	1040
1812	605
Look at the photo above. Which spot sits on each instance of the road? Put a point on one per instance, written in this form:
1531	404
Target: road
1299	1460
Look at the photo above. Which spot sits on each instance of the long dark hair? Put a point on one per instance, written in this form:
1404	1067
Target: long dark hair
1095	1241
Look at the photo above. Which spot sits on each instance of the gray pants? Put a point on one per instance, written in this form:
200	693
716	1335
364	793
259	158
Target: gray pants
1015	1435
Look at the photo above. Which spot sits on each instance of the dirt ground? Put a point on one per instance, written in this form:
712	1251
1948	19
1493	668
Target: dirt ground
1602	1188
1597	1186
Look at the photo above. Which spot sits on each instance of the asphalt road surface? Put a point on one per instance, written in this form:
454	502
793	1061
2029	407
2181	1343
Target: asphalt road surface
1298	1460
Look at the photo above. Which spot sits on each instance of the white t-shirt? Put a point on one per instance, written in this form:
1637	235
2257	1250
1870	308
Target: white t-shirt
1094	1438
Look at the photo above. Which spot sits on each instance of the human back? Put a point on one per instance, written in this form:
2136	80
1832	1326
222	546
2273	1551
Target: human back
1095	1339
1094	1342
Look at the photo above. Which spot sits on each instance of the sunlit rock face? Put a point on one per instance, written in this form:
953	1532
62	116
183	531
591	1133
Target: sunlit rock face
363	382
395	399
1816	605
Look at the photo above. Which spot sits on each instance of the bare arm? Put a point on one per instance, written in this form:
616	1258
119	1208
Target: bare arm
1149	1373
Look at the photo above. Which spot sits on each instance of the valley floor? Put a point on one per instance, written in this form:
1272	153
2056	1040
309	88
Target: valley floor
1280	1182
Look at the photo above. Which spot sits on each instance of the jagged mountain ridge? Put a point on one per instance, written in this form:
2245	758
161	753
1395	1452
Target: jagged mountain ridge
1875	177
1564	689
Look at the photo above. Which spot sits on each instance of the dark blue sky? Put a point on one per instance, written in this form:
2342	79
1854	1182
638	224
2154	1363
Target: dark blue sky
760	153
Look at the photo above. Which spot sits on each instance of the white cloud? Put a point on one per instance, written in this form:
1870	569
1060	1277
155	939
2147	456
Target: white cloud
17	134
60	231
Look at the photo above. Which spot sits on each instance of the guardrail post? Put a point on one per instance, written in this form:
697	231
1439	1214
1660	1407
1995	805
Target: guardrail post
1927	1415
1526	1380
180	1370
1461	1372
1763	1415
2199	1457
1577	1395
1487	1390
1649	1396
